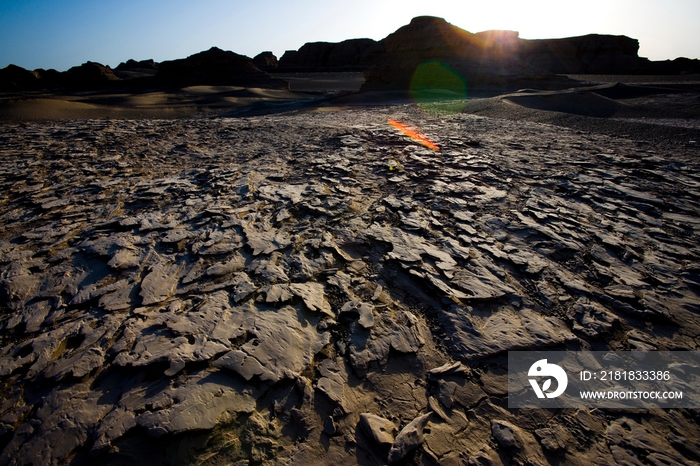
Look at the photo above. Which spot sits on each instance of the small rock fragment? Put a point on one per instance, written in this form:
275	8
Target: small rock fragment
435	407
409	438
365	310
506	434
158	285
124	259
277	293
333	380
379	429
239	361
447	368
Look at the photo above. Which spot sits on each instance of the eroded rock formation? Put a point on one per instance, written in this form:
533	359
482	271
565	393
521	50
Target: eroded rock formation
266	61
453	58
593	54
136	69
15	77
215	67
349	55
89	75
500	59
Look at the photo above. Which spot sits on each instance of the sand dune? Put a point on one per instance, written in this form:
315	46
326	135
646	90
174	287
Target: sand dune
188	102
58	108
49	109
599	101
577	102
648	113
322	90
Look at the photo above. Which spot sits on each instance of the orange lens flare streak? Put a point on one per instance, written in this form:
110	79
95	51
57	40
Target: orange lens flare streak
413	134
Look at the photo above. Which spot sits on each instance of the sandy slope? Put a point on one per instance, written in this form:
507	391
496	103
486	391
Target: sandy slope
669	98
187	102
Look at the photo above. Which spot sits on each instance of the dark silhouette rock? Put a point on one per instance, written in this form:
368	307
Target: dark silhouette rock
349	55
48	79
266	61
215	67
428	37
592	53
48	75
137	65
136	69
355	54
432	54
312	56
680	65
14	77
89	76
451	58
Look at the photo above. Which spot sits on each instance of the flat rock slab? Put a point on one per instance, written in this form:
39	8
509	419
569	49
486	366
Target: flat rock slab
379	429
477	335
313	296
409	438
284	345
159	283
204	402
506	434
401	334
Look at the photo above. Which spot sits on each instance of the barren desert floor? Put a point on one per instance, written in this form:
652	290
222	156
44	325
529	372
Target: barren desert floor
313	287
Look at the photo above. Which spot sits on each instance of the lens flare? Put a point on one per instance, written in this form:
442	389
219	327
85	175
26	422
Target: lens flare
413	134
437	88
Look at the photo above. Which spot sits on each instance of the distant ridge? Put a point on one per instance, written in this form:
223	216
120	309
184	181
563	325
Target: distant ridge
215	67
493	58
348	55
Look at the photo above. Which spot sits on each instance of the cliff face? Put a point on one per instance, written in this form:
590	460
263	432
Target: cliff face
89	75
500	58
215	67
593	53
266	61
349	55
491	58
495	59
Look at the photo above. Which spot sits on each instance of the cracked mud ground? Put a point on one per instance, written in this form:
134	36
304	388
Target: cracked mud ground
315	288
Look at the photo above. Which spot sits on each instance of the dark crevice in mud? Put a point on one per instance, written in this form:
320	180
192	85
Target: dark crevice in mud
6	434
281	396
341	329
14	335
241	340
138	448
115	380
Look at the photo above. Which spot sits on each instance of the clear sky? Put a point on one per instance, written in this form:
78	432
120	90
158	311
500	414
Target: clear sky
63	33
